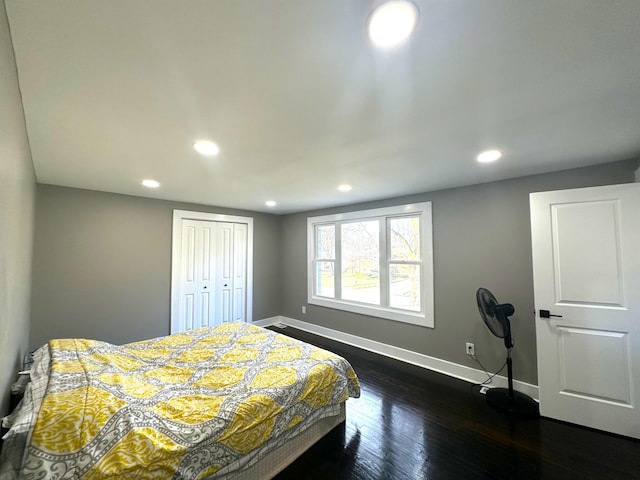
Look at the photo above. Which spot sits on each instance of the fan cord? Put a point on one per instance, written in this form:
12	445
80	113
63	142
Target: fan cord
489	376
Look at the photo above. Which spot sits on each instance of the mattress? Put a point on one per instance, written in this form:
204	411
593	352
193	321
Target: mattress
200	404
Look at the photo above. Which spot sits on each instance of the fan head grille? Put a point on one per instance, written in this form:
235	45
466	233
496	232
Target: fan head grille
487	306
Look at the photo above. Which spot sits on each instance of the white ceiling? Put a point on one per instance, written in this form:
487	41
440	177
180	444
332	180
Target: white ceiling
299	101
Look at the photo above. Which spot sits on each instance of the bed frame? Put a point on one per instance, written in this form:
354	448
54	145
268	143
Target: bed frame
278	458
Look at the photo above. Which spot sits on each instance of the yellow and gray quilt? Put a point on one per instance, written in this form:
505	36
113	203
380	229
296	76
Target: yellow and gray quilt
183	406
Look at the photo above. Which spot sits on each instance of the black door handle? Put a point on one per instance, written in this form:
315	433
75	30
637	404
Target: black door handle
547	314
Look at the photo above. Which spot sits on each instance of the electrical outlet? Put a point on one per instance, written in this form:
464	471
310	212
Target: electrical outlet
304	309
470	349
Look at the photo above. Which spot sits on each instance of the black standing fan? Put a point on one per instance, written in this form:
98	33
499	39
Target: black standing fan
496	316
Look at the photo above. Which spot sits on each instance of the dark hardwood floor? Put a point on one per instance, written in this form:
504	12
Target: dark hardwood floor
411	423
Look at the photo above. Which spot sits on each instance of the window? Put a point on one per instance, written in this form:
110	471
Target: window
374	262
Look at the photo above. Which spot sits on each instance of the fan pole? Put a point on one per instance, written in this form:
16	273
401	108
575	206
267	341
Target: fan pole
510	373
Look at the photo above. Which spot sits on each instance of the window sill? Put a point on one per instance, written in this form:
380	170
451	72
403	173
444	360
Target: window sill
388	314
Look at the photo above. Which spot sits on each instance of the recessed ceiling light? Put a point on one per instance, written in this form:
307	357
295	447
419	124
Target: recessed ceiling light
206	147
150	183
489	156
345	187
392	22
270	203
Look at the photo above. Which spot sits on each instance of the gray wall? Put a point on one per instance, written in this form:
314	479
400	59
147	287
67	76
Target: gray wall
17	198
481	238
102	265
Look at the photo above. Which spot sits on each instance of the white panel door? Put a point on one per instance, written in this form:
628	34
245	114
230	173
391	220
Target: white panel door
586	268
231	272
196	302
239	272
224	271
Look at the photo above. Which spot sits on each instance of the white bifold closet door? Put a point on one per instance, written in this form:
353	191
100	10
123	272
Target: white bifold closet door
212	286
231	276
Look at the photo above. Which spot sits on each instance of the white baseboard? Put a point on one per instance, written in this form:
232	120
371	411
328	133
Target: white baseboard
455	370
267	322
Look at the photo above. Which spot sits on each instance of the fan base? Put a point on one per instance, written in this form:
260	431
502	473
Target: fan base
520	404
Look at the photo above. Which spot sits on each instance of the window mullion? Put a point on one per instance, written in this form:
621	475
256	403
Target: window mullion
405	262
337	265
384	262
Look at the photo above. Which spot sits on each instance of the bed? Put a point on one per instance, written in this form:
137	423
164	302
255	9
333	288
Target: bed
233	401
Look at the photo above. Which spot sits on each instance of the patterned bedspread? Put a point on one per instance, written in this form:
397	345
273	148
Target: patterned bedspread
182	406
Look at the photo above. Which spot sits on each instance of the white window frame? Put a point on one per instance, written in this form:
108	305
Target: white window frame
425	317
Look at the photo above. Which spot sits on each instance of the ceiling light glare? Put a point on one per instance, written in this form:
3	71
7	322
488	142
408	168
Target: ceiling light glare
489	156
150	183
206	147
392	22
270	203
344	187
